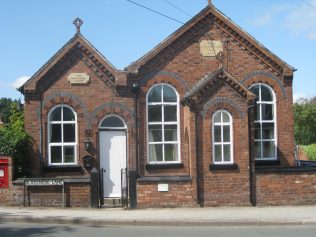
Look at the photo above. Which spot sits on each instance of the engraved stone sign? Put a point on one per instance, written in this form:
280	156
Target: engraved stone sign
210	48
78	78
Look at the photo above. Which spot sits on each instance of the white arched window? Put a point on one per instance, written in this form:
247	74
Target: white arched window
265	122
62	136
163	124
222	137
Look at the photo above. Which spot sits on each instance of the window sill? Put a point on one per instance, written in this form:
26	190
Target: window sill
63	168
163	166
267	162
215	167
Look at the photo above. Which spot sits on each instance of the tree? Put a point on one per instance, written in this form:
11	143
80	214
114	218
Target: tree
14	140
305	122
5	108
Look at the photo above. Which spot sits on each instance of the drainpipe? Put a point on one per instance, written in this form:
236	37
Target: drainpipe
252	178
134	175
197	159
40	156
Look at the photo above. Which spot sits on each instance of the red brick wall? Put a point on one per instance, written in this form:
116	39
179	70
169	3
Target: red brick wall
297	188
180	194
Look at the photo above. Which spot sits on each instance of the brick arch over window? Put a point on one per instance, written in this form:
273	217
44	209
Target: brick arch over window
167	77
65	98
264	77
222	103
113	108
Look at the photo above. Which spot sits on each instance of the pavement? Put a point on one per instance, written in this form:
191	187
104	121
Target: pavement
210	216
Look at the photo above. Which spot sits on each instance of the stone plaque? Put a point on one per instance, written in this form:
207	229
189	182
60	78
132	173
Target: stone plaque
78	78
210	48
163	187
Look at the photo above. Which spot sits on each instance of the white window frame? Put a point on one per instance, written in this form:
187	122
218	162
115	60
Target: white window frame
113	128
162	123
62	144
260	121
222	143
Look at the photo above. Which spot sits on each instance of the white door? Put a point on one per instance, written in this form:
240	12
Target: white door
112	160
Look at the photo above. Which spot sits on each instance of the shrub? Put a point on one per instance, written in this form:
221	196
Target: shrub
15	141
310	151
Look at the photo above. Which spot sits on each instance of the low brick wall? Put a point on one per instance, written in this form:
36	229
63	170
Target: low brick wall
287	186
77	192
179	194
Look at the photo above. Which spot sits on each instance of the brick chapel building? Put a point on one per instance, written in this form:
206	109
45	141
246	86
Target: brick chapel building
190	121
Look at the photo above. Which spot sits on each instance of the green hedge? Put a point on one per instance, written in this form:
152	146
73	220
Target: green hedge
310	151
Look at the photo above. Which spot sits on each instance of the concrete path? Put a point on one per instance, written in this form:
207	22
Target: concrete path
215	216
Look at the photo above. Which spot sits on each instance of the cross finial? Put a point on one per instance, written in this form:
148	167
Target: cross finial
78	22
210	2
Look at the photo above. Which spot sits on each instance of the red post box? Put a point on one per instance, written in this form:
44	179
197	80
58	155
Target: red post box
4	175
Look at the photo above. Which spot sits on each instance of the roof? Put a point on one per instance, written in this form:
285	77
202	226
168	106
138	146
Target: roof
231	29
206	83
76	42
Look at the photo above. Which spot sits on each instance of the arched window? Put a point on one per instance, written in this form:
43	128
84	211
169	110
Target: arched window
163	124
112	122
62	136
264	121
222	137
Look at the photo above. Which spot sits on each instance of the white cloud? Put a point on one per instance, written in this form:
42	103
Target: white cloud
271	14
299	18
20	81
302	20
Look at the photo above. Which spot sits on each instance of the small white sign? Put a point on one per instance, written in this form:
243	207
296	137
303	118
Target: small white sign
43	182
163	187
78	78
1	173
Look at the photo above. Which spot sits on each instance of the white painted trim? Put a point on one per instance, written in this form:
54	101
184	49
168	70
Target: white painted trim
274	121
162	123
222	143
62	144
114	128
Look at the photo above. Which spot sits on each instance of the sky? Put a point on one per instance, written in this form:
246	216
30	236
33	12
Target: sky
32	31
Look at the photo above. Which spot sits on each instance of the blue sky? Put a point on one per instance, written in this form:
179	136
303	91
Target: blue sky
32	31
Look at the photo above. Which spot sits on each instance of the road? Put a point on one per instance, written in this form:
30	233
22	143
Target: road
44	230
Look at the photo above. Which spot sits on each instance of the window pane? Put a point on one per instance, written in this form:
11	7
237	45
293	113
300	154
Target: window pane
154	113
258	150
217	134
169	94
227	153
266	94
170	132
55	135
155	94
155	133
257	112
257	131
112	122
217	118
155	152
267	112
55	154
69	133
171	152
255	90
268	131
218	153
226	118
226	133
69	154
268	150
68	114
56	115
170	113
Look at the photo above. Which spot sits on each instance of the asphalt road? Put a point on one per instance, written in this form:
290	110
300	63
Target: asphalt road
43	230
